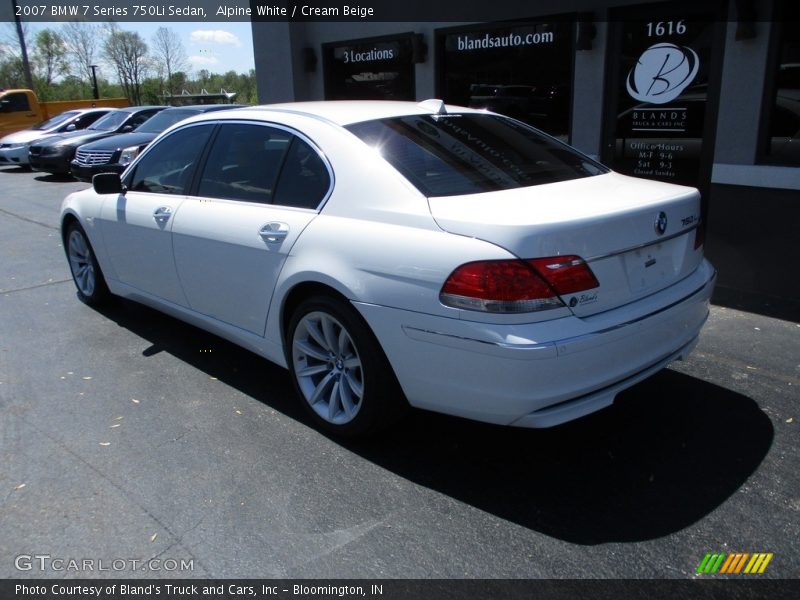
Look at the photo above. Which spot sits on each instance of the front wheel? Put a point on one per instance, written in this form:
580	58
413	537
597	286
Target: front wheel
339	369
86	272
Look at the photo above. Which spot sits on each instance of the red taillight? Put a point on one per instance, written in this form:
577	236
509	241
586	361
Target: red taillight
566	274
514	286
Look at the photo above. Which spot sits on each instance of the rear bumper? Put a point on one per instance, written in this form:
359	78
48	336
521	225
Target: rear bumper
540	374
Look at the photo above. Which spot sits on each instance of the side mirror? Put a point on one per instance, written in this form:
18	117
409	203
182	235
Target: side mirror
127	128
71	127
108	183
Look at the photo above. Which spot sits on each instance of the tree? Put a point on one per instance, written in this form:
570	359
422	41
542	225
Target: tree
127	52
169	53
16	53
81	43
50	57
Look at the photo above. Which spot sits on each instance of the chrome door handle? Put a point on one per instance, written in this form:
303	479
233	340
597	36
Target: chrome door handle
274	232
162	213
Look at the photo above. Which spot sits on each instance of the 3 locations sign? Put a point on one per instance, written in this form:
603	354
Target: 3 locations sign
370	69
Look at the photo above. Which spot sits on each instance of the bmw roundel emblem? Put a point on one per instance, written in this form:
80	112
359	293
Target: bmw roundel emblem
661	223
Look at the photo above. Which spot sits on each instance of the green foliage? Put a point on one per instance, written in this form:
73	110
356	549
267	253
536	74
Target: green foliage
57	75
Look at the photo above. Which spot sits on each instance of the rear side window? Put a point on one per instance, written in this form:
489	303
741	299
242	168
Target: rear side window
448	155
258	163
167	168
304	179
16	102
244	163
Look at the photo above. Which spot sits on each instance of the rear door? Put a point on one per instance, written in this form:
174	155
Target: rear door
259	189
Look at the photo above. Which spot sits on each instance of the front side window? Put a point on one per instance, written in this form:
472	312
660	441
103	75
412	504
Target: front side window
448	155
168	166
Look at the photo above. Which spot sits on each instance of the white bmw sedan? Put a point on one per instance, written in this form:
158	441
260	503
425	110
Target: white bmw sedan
392	254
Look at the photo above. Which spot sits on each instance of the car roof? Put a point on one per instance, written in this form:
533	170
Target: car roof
345	112
132	109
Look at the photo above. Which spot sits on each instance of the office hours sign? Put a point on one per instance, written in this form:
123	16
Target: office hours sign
662	72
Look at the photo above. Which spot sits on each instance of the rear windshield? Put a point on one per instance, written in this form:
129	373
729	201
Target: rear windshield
57	120
448	155
164	119
111	121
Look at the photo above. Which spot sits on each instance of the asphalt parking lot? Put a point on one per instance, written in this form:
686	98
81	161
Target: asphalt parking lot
128	436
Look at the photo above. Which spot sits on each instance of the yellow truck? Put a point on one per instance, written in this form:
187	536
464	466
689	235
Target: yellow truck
21	109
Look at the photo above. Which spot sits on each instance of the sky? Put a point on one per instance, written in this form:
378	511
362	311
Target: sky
216	46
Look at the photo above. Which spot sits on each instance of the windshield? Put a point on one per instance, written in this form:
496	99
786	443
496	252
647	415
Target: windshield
448	155
57	120
164	119
111	121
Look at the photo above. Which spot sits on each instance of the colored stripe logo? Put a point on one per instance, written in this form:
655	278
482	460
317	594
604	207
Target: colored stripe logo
734	563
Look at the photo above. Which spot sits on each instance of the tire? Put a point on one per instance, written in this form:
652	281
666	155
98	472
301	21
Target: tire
339	370
86	273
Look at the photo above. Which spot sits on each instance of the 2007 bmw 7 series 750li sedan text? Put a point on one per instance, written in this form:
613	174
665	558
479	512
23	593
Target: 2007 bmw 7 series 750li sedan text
393	254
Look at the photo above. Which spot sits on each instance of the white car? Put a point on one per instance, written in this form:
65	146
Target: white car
14	146
393	254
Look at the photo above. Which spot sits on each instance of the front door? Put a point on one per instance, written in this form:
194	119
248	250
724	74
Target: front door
137	226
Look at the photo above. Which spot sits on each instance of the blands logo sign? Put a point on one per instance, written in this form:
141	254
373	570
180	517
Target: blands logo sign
662	72
734	563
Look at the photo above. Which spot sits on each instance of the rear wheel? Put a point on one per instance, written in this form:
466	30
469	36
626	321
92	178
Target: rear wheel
86	272
339	369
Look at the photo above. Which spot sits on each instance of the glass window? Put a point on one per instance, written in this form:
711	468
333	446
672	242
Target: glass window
521	70
167	167
370	69
304	179
87	119
472	153
110	121
16	102
140	118
661	69
783	143
54	121
166	119
244	163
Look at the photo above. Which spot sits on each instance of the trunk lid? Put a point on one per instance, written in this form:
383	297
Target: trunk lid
636	235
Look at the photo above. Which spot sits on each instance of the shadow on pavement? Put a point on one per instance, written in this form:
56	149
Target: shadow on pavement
55	177
670	451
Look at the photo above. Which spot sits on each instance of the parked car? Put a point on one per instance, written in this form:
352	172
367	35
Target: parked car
14	146
113	154
392	253
54	154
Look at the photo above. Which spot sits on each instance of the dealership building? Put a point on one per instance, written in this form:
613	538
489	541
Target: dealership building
699	93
